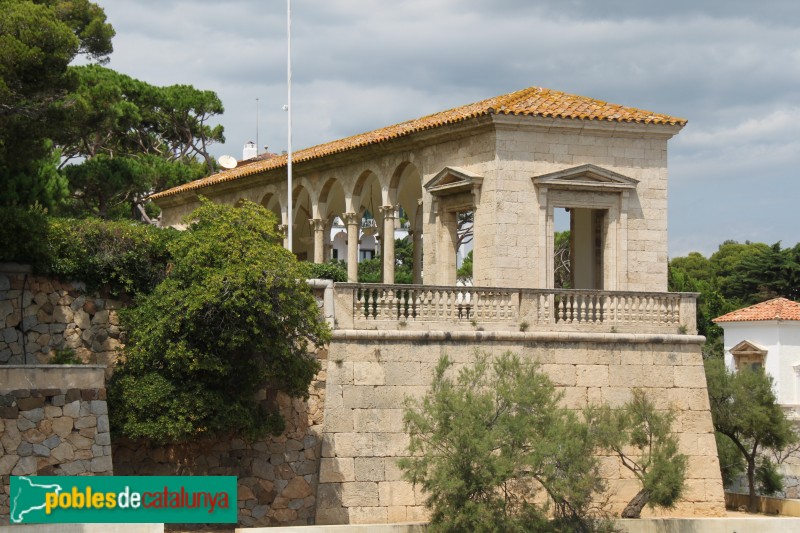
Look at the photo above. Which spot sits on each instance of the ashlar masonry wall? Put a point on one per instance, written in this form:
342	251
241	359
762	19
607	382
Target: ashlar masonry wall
371	372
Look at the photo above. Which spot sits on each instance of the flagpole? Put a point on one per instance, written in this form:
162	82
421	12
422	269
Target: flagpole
289	111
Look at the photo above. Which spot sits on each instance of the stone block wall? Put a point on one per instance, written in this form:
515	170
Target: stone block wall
371	372
53	421
40	315
277	476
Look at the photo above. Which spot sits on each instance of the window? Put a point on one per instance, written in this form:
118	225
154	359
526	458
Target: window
748	354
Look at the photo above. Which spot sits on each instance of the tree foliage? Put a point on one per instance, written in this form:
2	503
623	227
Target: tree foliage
643	440
234	314
38	41
145	138
735	276
744	410
562	262
485	443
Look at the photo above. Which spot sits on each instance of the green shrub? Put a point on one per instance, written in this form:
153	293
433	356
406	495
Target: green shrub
335	270
124	256
65	356
493	451
23	234
234	314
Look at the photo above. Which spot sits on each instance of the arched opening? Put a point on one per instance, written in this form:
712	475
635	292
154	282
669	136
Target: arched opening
331	211
370	213
406	191
302	232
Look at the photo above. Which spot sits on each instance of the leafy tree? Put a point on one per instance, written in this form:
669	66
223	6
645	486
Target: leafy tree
768	273
404	261
486	443
371	270
38	40
234	314
731	462
643	440
744	410
133	138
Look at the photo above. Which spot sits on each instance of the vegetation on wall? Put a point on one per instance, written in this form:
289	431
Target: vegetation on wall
234	313
121	257
334	270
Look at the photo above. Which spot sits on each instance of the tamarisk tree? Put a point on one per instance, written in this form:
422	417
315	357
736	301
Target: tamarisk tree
642	438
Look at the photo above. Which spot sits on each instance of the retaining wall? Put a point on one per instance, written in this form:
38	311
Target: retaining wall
53	421
371	372
39	315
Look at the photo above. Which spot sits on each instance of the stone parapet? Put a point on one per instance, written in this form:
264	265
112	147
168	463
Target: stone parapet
371	306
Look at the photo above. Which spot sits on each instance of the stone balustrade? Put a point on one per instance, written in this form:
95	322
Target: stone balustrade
378	306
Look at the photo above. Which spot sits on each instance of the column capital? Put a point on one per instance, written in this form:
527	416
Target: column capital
350	219
317	224
389	211
283	229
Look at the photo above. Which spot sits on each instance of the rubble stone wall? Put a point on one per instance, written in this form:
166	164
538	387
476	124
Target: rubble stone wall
39	315
277	476
53	421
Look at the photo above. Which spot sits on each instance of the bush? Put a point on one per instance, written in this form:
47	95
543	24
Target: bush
23	233
487	446
643	440
334	270
234	315
124	256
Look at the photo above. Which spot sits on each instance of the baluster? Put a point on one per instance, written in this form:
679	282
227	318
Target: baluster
582	311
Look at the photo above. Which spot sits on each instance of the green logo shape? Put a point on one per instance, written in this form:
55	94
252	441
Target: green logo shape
123	499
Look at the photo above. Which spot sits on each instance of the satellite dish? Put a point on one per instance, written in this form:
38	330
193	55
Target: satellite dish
227	161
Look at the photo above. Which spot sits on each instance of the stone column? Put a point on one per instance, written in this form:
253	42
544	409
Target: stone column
389	213
351	221
416	240
318	227
327	245
284	230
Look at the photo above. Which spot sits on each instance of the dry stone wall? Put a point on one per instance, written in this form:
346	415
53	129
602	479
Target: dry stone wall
39	315
53	421
371	372
277	476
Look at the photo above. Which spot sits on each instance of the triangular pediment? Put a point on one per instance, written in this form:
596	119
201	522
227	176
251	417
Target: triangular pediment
748	347
453	180
586	177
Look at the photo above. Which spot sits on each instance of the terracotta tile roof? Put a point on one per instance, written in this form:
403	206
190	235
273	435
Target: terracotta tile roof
775	309
533	101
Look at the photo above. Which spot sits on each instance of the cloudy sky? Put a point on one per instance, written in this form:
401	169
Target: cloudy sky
732	67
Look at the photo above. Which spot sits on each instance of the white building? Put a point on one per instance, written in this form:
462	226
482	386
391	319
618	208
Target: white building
767	335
